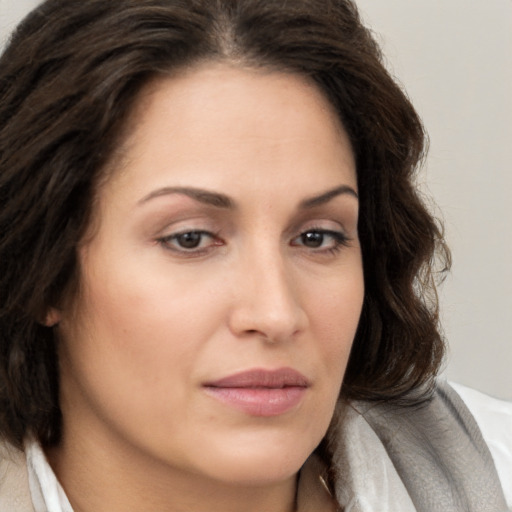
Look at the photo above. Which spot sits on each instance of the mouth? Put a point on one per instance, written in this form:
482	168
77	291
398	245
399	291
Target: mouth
260	392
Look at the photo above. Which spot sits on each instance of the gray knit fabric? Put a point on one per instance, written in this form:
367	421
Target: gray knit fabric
436	450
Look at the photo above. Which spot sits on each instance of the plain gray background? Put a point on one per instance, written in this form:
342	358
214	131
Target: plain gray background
454	58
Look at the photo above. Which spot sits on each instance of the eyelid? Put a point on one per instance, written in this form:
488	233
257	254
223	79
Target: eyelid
172	223
339	240
166	242
321	224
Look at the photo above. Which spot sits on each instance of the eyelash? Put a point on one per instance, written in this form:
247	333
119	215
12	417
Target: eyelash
167	241
340	240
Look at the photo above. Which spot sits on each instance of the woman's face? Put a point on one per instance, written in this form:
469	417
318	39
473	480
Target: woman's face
222	284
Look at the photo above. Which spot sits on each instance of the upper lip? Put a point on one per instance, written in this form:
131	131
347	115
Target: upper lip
262	378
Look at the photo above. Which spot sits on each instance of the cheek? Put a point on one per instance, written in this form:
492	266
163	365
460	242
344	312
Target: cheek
130	359
335	306
137	332
139	296
334	317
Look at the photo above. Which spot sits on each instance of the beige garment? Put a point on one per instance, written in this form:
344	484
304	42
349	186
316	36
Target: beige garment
14	488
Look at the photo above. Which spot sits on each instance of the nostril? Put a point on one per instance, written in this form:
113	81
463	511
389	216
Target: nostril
261	334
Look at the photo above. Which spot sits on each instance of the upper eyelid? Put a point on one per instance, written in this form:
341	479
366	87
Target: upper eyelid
169	243
328	232
170	231
176	234
326	224
180	222
186	225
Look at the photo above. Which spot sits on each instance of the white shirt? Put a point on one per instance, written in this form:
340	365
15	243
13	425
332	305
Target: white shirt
494	417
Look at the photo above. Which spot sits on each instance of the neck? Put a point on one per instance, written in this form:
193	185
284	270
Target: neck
115	482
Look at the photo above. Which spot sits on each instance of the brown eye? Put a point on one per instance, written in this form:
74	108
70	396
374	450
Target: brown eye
190	240
313	239
321	240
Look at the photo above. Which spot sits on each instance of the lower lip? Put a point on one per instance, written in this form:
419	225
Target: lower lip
264	402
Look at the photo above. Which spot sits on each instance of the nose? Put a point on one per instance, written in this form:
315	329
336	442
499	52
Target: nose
267	302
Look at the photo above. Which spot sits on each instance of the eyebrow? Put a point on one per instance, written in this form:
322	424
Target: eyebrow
203	196
321	199
219	200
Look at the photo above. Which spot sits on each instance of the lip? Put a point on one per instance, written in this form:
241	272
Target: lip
260	392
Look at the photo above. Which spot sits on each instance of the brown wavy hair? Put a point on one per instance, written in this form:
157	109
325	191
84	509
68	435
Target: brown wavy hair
69	78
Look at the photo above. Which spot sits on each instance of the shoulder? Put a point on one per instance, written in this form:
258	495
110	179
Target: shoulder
436	450
494	418
14	486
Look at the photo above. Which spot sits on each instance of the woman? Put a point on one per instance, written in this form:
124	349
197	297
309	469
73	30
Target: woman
217	275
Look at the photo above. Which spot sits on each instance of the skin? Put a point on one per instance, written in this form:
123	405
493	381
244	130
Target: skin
268	287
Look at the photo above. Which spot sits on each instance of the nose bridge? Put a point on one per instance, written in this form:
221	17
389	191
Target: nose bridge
268	302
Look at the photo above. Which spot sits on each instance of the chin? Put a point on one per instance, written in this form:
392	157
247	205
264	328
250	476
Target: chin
255	460
251	472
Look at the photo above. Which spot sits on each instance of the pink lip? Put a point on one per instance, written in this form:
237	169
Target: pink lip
260	392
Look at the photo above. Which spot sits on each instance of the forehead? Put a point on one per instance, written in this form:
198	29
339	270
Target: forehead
230	122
